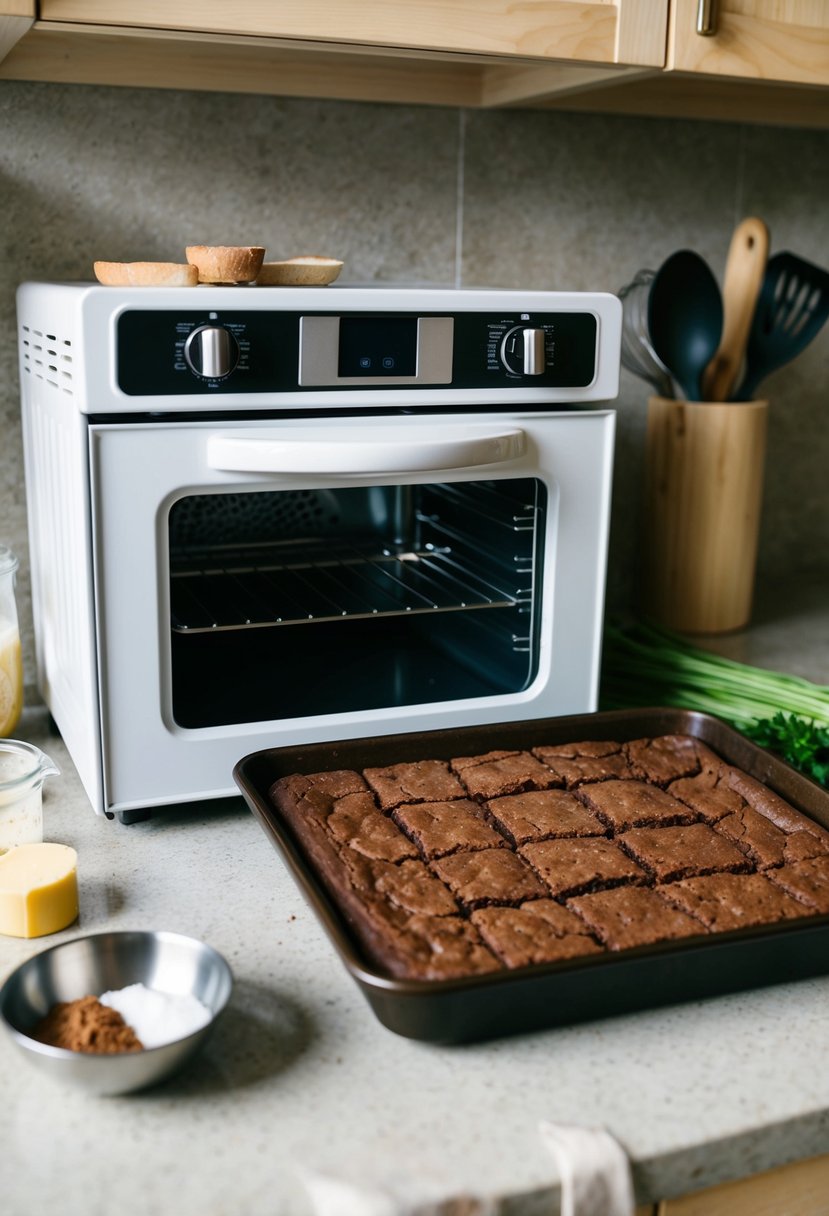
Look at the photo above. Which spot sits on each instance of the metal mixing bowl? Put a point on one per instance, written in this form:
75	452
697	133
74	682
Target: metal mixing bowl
100	963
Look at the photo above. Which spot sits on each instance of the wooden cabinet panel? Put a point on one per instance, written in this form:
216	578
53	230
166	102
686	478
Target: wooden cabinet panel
775	40
593	31
799	1189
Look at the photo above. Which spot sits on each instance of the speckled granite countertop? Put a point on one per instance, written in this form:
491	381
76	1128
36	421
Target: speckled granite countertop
299	1074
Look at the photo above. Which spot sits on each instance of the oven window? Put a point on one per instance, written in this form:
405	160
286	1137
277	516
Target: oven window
299	603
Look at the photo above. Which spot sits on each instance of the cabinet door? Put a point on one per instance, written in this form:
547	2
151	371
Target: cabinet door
785	40
590	31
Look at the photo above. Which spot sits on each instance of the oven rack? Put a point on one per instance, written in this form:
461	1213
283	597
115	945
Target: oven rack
287	585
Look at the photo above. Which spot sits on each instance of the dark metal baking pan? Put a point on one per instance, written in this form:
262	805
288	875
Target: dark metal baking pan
551	994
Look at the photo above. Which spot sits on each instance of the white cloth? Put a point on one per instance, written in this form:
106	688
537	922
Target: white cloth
593	1169
332	1196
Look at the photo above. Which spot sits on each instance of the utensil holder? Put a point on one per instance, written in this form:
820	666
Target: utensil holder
703	497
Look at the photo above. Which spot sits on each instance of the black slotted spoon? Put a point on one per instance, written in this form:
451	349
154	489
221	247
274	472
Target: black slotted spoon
793	306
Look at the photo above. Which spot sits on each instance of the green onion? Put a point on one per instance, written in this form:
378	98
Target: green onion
645	665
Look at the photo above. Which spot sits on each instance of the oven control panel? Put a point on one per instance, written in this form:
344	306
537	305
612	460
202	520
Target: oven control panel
164	352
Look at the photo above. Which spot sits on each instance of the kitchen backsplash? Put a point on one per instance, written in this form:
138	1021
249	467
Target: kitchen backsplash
427	196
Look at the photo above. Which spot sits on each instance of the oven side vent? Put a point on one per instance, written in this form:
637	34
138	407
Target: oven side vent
55	449
47	357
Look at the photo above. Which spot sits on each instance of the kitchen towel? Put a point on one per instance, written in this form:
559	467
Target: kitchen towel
336	1196
593	1169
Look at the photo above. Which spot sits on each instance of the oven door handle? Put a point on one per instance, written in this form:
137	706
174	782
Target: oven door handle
361	450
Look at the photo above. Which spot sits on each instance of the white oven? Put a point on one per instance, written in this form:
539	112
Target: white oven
272	516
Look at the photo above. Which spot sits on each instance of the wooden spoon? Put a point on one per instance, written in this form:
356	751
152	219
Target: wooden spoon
744	270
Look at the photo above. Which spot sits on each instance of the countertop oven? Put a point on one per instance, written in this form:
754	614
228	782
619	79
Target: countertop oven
267	516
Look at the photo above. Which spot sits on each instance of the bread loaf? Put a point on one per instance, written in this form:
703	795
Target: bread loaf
146	274
226	263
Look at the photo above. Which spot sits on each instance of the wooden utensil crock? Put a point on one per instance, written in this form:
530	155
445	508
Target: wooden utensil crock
703	497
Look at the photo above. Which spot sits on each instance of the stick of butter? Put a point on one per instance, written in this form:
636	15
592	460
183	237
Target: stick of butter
38	889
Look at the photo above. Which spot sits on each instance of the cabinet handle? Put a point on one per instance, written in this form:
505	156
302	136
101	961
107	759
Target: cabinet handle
707	17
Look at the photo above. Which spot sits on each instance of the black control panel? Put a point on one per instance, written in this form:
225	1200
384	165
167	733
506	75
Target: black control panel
167	353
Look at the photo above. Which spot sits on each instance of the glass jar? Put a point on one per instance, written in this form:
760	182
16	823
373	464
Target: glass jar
23	768
11	663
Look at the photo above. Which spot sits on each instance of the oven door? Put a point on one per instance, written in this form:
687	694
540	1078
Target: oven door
275	583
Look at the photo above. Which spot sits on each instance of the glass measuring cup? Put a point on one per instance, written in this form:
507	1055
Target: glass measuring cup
11	667
23	768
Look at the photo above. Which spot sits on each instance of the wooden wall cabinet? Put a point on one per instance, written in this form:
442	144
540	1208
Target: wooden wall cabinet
628	56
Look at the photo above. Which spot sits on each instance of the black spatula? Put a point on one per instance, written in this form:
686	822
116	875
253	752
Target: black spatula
793	305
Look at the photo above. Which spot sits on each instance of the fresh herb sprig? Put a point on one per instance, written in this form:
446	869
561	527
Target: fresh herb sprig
647	665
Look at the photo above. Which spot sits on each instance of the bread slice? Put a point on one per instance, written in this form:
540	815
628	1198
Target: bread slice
308	271
146	274
226	263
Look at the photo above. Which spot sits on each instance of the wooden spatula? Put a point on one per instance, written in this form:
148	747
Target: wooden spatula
744	269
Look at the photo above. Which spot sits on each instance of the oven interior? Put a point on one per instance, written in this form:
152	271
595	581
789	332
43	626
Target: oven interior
305	602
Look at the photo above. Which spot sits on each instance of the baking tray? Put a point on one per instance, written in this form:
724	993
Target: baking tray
546	995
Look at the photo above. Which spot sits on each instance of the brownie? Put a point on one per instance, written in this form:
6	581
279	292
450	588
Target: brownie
770	804
411	885
540	931
489	876
441	828
632	916
806	881
497	773
355	821
340	811
579	864
542	815
765	844
679	852
708	793
444	869
425	947
419	781
577	763
629	804
732	901
665	758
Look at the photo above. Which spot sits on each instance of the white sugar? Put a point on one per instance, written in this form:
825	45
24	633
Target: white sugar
157	1017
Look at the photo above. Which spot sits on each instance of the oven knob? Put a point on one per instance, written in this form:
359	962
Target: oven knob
211	351
522	351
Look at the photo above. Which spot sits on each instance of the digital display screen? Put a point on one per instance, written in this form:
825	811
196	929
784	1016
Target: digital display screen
378	346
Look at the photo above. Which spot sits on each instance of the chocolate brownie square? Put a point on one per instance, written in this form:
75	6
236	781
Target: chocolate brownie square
542	815
629	804
763	799
765	844
806	881
441	828
679	852
664	759
577	865
419	781
577	763
424	947
354	821
331	785
540	931
336	808
732	901
632	916
489	876
708	793
410	885
497	773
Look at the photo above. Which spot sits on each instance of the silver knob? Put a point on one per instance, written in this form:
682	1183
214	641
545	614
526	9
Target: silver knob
534	361
522	351
211	351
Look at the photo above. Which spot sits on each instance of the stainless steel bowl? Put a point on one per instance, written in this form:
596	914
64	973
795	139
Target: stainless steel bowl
100	963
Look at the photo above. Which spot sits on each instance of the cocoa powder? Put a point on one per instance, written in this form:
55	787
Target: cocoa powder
86	1025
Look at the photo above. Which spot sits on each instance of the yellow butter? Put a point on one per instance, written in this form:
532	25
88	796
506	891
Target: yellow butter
38	889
